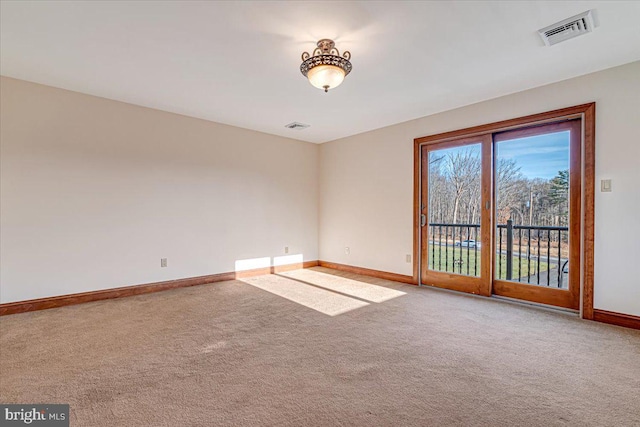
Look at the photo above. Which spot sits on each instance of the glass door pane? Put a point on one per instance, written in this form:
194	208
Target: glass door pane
537	214
532	210
454	214
455	197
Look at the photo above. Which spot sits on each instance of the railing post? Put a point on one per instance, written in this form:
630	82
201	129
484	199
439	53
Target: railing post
509	249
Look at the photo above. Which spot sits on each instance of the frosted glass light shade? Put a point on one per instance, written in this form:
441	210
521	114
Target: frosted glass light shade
326	76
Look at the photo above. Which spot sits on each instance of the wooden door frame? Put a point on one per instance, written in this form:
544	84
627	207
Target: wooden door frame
585	112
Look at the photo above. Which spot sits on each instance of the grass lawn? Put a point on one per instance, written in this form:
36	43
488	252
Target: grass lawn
460	260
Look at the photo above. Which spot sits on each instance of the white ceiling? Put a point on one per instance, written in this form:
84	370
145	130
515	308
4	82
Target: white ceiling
238	62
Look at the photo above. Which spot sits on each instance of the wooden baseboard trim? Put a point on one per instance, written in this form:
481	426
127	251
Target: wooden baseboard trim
272	270
127	291
290	267
369	272
619	319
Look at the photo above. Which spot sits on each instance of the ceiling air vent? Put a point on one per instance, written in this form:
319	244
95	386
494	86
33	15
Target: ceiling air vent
296	125
567	29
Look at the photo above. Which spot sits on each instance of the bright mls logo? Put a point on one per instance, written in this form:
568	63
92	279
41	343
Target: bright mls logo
35	415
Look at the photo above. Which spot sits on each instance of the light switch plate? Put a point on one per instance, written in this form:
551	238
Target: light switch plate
605	185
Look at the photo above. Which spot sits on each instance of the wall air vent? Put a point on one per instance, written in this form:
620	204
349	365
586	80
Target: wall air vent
567	29
296	125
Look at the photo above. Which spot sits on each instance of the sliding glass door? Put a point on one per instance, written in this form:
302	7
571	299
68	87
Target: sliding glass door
500	213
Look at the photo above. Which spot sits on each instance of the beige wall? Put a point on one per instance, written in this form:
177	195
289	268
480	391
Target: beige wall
366	181
94	192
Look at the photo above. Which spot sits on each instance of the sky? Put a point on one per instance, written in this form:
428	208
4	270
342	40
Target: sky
540	156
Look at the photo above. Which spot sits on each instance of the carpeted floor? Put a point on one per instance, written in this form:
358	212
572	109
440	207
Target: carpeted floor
320	348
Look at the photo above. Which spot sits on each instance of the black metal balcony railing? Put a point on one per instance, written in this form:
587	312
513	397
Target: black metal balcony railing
527	254
455	257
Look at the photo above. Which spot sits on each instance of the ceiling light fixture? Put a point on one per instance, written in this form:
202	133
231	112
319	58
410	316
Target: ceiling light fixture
325	67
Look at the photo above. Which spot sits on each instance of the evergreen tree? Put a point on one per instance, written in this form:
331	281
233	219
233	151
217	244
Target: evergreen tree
559	196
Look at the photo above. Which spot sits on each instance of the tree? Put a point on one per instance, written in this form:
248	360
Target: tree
463	172
510	184
559	196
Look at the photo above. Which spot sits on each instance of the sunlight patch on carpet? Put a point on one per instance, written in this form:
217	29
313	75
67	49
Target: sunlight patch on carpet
355	288
324	301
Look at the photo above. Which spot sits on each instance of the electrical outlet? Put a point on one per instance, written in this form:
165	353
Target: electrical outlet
163	262
347	250
286	249
408	258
